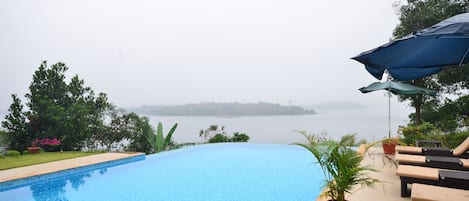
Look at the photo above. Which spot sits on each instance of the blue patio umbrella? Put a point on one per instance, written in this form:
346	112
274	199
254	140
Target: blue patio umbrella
396	88
423	53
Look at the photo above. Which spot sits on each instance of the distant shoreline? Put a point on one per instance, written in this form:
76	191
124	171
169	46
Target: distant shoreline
222	109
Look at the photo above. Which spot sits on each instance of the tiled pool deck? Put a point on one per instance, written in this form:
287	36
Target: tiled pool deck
11	177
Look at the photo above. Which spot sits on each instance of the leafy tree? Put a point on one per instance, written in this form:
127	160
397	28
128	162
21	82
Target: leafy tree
450	116
18	136
68	111
417	15
3	138
137	135
216	134
72	113
211	131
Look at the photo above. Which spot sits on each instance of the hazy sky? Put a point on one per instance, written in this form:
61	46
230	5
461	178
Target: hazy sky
189	51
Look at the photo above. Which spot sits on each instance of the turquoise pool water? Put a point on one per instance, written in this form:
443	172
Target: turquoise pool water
221	172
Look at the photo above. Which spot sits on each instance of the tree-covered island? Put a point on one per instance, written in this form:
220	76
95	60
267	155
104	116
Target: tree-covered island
222	109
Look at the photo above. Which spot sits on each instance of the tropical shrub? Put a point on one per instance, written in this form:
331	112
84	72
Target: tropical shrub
159	142
341	166
424	131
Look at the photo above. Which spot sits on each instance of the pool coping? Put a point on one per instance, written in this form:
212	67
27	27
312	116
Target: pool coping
16	177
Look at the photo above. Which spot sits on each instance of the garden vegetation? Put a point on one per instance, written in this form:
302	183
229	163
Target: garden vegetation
72	113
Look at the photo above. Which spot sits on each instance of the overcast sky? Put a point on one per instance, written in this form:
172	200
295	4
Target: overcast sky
189	51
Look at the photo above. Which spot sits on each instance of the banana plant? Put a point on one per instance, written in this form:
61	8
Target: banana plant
159	142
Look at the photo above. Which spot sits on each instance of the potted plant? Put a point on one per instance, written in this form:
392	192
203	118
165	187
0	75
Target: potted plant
341	166
389	145
34	149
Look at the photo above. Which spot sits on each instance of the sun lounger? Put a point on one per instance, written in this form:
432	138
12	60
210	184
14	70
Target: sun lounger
461	151
422	192
452	163
410	174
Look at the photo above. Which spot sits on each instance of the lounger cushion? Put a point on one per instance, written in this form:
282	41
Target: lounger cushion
465	163
418	172
463	147
409	149
422	192
410	159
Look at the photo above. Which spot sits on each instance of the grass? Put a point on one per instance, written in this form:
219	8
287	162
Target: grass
13	161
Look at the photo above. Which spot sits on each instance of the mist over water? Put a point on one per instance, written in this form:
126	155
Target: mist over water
279	129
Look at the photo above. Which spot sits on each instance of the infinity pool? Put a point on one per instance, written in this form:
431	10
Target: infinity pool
221	172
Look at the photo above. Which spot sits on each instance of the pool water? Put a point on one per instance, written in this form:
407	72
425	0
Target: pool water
221	172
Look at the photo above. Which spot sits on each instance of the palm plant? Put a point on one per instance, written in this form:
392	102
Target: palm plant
341	167
157	141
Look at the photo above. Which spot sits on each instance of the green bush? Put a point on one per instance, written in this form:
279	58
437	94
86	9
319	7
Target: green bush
454	139
13	153
219	138
424	131
239	137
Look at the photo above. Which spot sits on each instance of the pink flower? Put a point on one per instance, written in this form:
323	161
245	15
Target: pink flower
46	141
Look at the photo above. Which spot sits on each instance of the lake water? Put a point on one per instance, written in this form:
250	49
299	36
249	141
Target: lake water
367	125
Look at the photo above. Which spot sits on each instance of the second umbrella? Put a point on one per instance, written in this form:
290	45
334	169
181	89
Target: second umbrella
396	88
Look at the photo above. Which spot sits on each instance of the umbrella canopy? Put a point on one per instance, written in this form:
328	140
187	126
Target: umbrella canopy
396	88
423	53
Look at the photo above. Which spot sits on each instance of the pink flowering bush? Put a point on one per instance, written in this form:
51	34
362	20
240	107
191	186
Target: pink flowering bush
47	144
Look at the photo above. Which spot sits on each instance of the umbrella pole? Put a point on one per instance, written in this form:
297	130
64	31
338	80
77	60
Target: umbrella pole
389	113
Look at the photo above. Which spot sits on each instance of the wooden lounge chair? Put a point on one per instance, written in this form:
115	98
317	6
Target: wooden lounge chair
461	151
422	192
442	162
410	174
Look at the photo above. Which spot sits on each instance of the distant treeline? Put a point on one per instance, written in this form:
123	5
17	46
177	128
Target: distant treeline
222	109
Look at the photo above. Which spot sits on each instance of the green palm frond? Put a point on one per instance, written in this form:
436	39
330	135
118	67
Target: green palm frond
341	166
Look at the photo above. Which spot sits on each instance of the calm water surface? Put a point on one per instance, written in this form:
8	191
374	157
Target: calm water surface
278	129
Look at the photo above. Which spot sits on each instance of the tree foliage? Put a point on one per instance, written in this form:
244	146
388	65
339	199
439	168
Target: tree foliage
17	136
416	15
68	111
72	113
216	134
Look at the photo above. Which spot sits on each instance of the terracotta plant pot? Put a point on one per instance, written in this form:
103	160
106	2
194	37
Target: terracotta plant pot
34	150
389	147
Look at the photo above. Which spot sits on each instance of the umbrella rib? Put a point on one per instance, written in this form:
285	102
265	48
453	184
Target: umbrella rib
463	57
